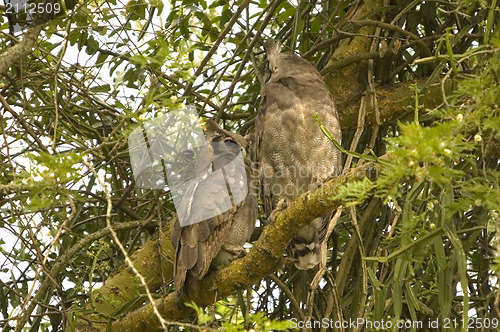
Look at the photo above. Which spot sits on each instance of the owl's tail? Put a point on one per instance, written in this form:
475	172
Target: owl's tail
306	245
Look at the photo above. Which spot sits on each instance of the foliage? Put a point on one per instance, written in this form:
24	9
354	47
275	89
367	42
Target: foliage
234	320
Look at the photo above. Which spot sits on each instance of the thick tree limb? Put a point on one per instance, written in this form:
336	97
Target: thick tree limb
264	258
121	291
347	84
393	101
21	49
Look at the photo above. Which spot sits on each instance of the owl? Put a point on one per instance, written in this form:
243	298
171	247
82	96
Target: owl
213	243
293	155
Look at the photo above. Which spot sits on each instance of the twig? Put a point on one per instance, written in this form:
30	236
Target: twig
388	26
109	207
61	263
237	75
23	124
221	37
290	295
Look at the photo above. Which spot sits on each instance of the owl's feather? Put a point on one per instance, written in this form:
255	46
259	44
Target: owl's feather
293	154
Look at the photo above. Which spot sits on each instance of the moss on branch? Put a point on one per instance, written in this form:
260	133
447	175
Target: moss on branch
263	259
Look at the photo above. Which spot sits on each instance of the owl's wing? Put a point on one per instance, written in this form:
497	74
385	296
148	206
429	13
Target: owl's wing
196	247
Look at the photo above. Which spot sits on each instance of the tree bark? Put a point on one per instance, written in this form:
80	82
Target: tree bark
20	50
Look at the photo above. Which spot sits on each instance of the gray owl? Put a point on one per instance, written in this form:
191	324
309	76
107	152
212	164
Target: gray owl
214	242
293	155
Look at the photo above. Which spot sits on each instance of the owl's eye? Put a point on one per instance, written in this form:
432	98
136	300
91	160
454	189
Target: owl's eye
231	146
187	154
225	146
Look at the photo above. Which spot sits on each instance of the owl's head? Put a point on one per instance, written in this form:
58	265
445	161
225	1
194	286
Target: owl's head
285	65
273	50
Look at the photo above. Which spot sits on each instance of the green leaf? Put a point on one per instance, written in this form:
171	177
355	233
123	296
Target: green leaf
287	13
92	45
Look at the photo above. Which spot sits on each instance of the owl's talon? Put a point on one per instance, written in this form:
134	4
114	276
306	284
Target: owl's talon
287	260
280	207
234	251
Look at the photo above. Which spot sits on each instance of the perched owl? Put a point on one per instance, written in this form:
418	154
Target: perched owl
214	242
293	155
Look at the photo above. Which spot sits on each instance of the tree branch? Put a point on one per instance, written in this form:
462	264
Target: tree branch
393	101
61	263
21	49
393	27
219	40
264	258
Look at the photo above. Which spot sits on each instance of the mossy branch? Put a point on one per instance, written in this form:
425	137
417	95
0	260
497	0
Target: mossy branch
20	50
264	258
